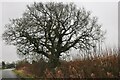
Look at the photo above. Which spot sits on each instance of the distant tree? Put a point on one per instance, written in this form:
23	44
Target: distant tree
10	65
50	29
3	65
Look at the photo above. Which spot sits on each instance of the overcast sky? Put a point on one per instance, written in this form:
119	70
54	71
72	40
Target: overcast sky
107	13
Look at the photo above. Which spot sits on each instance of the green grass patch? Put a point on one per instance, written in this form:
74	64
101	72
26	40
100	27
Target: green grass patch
1	68
23	76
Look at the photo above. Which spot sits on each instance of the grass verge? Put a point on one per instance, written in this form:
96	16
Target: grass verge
22	75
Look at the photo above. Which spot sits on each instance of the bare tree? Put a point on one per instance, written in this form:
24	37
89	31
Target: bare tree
51	29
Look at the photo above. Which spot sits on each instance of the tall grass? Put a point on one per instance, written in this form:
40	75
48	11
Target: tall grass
103	65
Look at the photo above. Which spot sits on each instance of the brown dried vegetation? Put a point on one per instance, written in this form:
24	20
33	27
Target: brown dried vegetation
105	66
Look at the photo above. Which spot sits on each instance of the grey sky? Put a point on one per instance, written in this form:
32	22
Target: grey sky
107	13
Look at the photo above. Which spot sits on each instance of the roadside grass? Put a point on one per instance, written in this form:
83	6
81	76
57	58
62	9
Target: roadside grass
105	65
22	75
1	68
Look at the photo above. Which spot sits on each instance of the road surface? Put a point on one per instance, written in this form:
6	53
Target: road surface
9	74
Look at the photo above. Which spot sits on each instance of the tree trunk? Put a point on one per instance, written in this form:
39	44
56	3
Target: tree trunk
54	62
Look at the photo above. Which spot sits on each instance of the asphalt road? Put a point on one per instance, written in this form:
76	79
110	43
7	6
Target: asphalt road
8	74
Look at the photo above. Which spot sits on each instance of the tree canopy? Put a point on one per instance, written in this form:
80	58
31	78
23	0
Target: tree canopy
52	28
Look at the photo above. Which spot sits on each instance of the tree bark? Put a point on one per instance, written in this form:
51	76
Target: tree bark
54	62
